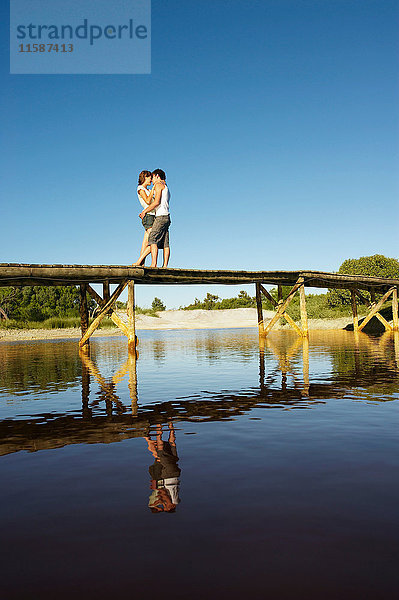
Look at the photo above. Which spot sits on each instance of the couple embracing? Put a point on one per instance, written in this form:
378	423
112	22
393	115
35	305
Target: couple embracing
155	216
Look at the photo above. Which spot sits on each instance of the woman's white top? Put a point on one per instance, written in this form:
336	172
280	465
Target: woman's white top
163	209
142	202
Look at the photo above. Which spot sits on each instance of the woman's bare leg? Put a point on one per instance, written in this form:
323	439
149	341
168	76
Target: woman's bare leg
145	249
145	240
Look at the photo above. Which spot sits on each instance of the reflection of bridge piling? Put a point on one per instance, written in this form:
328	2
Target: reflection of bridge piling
108	388
280	384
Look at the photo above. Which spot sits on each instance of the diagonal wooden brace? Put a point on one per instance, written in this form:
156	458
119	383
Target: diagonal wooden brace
276	304
104	309
375	309
281	309
113	316
362	298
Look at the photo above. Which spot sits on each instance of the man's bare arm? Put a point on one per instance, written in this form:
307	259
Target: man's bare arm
156	202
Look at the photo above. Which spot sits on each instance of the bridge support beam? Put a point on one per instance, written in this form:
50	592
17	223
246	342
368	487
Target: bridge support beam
374	310
376	306
281	306
106	307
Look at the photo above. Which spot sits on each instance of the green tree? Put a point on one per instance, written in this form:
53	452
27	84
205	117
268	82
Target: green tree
37	303
210	301
158	305
377	265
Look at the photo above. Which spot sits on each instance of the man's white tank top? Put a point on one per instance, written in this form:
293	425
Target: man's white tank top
163	209
142	202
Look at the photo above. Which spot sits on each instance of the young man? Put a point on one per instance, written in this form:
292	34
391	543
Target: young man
159	236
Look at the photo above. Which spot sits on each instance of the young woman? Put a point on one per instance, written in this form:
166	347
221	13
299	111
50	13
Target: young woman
145	197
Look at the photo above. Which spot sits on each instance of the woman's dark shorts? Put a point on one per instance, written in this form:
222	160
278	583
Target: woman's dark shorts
148	221
159	233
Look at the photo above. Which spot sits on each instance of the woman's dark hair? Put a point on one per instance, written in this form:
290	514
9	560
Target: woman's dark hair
143	175
161	173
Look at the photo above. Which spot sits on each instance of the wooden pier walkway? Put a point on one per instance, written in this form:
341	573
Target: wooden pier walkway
122	276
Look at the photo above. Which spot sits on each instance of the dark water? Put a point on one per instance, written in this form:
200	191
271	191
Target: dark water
279	469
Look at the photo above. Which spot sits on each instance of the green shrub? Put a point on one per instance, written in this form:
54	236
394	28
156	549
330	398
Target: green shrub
371	266
158	305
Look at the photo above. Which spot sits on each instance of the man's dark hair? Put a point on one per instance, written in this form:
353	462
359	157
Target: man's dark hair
161	173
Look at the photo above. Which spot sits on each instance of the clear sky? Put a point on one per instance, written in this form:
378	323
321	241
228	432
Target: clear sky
276	122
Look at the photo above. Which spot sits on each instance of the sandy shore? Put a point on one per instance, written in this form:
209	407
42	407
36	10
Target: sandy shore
173	319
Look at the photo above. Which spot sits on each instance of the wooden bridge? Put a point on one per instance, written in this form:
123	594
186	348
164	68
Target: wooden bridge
125	276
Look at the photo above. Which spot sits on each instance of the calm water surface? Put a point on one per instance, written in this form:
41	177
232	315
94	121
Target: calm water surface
206	469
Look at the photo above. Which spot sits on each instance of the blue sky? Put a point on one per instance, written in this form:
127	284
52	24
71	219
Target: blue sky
276	122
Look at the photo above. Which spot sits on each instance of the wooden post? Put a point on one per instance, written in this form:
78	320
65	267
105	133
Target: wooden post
84	315
354	311
259	309
131	318
395	309
106	292
304	314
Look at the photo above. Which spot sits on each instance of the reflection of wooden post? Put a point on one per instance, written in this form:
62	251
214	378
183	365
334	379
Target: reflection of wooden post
304	314
279	296
305	365
86	411
259	309
395	309
262	341
396	347
132	362
354	311
131	318
84	315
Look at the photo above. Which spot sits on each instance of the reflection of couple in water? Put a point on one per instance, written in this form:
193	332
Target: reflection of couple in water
164	472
